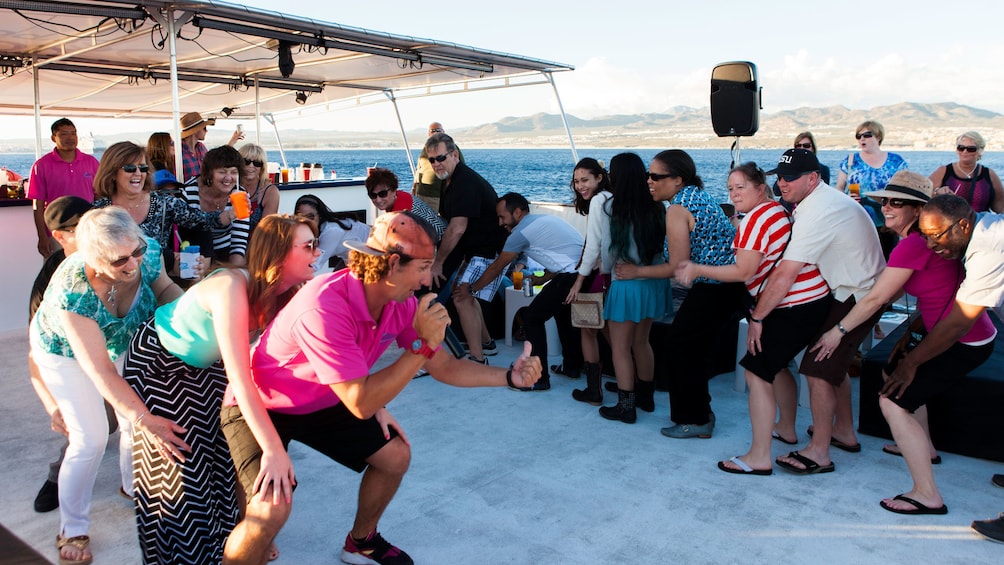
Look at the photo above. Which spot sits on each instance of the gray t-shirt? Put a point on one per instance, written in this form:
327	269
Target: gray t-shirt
548	240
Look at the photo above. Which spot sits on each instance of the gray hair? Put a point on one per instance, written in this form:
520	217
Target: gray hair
102	231
437	138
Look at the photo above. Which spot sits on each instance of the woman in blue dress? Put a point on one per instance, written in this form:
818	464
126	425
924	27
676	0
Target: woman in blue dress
870	169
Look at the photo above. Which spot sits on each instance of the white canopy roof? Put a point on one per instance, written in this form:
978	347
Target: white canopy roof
112	59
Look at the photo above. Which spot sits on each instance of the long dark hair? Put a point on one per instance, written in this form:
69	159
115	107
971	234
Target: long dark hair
633	212
680	164
594	167
324	214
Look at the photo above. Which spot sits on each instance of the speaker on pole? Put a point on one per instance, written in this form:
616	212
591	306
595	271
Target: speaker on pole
735	99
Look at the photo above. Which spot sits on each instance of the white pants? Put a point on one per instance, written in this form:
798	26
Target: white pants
83	411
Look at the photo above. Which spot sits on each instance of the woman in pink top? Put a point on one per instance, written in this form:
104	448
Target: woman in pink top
915	269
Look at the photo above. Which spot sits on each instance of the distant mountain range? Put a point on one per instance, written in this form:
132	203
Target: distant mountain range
908	125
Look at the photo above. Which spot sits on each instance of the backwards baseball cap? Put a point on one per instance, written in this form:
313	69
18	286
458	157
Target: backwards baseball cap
795	162
398	232
164	178
192	121
64	212
907	185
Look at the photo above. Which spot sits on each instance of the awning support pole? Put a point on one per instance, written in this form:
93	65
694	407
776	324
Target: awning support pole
400	124
38	108
271	119
564	118
179	162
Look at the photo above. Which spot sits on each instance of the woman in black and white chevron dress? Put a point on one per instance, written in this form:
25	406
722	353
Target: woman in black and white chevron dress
180	362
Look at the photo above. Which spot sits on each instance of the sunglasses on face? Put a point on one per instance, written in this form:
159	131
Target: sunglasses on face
253	162
438	159
791	178
865	134
130	168
381	194
310	245
656	177
136	254
803	146
894	202
967	148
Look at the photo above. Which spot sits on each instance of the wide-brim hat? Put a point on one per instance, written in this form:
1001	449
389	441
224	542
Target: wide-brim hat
398	232
192	121
906	185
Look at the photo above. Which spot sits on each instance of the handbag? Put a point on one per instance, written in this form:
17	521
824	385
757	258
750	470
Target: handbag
587	310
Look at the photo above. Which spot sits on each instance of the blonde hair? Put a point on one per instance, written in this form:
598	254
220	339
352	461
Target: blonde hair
872	126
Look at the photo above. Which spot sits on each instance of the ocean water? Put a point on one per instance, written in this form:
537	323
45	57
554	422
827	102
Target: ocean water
543	175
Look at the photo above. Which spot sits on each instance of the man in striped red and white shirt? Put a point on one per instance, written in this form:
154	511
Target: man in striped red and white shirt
832	232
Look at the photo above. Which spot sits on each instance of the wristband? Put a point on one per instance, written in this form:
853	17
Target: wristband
841	328
753	320
508	378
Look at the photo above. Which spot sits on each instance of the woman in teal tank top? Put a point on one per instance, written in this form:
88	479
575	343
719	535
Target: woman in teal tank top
180	363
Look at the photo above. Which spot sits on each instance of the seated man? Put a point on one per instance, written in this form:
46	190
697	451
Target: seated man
313	366
556	245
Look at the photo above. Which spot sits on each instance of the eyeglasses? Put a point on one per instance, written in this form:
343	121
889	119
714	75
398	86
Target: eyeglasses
942	234
967	148
136	254
438	159
309	245
656	177
253	162
803	146
130	168
381	194
436	130
866	134
791	178
896	202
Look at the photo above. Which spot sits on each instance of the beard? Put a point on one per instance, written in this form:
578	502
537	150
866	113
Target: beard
443	175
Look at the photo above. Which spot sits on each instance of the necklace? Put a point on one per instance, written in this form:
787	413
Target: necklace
111	291
139	202
969	175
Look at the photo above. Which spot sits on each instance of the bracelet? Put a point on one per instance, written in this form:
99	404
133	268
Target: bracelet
753	320
508	378
138	420
841	328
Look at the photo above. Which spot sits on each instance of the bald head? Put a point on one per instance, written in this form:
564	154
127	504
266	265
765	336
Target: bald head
434	128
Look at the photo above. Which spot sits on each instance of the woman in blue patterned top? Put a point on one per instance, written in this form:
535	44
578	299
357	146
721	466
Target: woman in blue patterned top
95	301
699	231
870	169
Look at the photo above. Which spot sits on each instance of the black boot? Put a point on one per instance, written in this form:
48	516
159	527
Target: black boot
645	395
592	394
624	410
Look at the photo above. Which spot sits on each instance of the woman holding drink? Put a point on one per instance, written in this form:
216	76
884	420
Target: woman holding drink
870	169
220	175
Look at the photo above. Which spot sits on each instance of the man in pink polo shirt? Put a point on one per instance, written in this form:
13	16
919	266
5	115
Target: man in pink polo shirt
66	171
313	370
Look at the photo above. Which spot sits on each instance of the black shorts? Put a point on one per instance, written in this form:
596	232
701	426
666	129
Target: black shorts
833	369
334	432
786	331
940	373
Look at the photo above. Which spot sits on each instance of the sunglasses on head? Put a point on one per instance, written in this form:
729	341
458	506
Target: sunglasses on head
967	148
310	245
895	202
866	134
438	159
381	194
137	253
253	162
803	146
130	168
656	177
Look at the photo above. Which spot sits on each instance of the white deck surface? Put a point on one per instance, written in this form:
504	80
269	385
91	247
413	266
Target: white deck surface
499	476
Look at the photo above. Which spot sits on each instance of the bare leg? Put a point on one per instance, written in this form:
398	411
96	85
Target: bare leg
644	358
470	318
761	403
379	484
823	400
786	398
590	346
912	441
921	416
621	334
843	424
251	541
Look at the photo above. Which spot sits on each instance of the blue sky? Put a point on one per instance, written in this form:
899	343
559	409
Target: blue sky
650	56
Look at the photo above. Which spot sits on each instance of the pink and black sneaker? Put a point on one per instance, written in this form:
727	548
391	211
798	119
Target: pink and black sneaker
374	550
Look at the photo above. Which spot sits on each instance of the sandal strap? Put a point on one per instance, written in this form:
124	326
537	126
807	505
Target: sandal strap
79	542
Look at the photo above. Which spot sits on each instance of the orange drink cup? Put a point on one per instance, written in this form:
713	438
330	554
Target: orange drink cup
241	203
517	279
855	190
285	175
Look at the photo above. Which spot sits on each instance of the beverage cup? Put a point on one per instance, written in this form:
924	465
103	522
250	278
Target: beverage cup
285	175
188	259
241	203
517	279
369	171
855	190
306	173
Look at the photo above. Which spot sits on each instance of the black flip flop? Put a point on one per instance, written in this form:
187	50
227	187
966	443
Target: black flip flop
811	467
779	438
936	460
856	448
919	507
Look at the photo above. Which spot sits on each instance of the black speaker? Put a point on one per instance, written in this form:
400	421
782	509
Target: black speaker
735	99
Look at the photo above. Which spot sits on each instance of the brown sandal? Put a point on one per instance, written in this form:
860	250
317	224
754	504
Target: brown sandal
80	542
